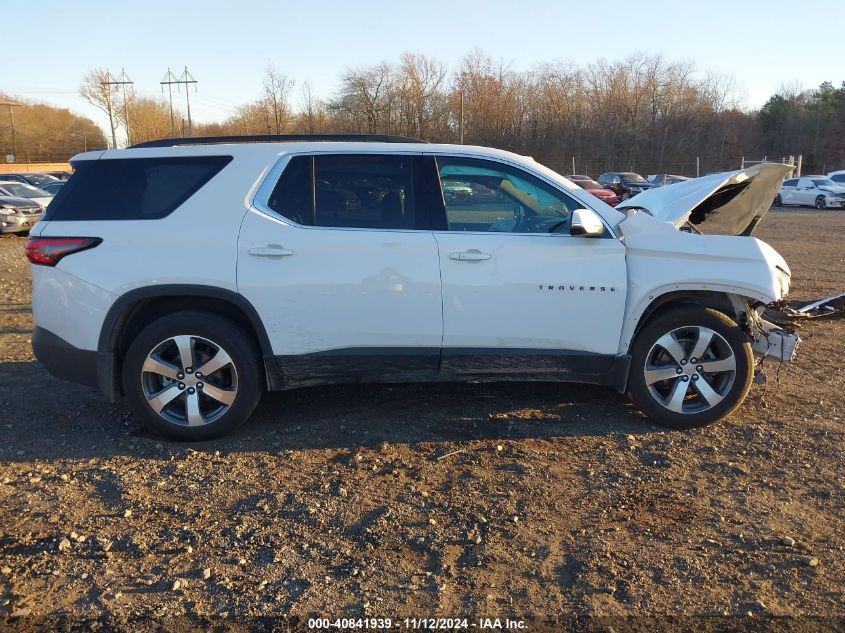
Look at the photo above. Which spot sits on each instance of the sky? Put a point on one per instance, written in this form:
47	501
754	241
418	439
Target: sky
48	45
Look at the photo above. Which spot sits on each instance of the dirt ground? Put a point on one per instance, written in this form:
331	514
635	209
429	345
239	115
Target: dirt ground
523	501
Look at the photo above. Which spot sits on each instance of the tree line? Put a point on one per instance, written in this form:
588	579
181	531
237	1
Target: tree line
643	113
36	132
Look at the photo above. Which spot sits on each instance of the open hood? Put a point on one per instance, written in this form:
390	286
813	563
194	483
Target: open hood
728	203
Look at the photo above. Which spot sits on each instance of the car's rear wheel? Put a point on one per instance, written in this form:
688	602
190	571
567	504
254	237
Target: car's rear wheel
690	367
192	375
821	203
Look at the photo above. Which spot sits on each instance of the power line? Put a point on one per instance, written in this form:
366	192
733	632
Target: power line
169	80
123	80
107	84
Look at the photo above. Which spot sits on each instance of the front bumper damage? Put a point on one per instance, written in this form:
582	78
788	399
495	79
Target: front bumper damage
774	342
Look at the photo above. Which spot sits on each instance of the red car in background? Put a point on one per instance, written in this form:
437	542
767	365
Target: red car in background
585	182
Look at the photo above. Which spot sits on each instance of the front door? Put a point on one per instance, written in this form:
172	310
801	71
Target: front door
340	263
520	294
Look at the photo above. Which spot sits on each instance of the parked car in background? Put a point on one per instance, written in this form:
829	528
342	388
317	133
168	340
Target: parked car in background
811	191
18	215
587	183
661	180
53	187
837	176
624	184
456	191
34	178
61	175
23	190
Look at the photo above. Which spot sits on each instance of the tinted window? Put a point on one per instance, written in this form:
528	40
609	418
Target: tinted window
132	188
790	183
348	191
483	195
39	179
838	178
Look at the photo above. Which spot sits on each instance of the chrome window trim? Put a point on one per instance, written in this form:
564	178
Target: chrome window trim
611	233
261	199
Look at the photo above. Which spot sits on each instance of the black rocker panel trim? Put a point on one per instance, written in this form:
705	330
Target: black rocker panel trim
415	364
361	364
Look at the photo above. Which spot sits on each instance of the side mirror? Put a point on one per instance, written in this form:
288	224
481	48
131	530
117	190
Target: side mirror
586	223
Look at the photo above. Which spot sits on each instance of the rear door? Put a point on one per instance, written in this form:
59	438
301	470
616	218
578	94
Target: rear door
338	258
787	191
806	192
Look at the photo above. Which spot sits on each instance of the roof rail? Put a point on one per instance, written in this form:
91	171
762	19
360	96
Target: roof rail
278	138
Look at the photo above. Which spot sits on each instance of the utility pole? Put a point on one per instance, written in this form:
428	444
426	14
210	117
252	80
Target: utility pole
169	80
461	123
187	78
123	80
110	81
12	104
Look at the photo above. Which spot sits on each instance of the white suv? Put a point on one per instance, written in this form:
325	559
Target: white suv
187	276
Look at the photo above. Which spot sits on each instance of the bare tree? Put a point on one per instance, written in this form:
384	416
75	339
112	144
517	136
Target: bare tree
277	87
96	90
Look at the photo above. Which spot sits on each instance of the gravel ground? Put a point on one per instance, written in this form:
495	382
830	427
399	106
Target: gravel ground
528	501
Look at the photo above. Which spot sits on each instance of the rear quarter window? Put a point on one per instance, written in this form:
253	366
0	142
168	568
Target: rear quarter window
132	188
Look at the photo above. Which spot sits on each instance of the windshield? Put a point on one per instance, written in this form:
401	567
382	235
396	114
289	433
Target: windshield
39	179
632	177
824	182
589	184
23	191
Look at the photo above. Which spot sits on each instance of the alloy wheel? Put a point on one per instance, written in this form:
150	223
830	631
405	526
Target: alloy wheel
820	203
189	380
690	369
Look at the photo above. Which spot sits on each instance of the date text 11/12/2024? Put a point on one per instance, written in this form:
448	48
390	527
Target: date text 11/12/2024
423	624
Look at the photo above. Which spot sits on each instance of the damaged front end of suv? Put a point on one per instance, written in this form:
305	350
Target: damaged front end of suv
691	243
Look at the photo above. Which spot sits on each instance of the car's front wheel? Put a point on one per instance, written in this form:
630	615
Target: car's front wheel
778	201
192	375
690	367
821	203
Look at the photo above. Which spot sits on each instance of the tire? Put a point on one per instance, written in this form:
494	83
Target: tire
778	202
678	401
192	406
820	202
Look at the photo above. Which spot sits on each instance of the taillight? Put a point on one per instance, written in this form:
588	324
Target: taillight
47	251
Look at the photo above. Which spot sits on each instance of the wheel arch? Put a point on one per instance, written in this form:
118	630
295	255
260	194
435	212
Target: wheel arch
130	313
733	302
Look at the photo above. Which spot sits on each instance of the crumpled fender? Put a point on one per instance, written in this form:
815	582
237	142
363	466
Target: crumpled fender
660	259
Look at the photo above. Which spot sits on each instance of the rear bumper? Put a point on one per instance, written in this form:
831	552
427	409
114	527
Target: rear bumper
18	223
63	360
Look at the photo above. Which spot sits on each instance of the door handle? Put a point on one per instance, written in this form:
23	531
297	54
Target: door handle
271	250
472	255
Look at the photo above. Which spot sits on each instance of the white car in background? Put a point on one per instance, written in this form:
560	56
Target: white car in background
811	191
21	190
837	176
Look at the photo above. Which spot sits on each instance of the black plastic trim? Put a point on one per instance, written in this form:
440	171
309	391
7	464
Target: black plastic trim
420	364
63	360
361	364
279	138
